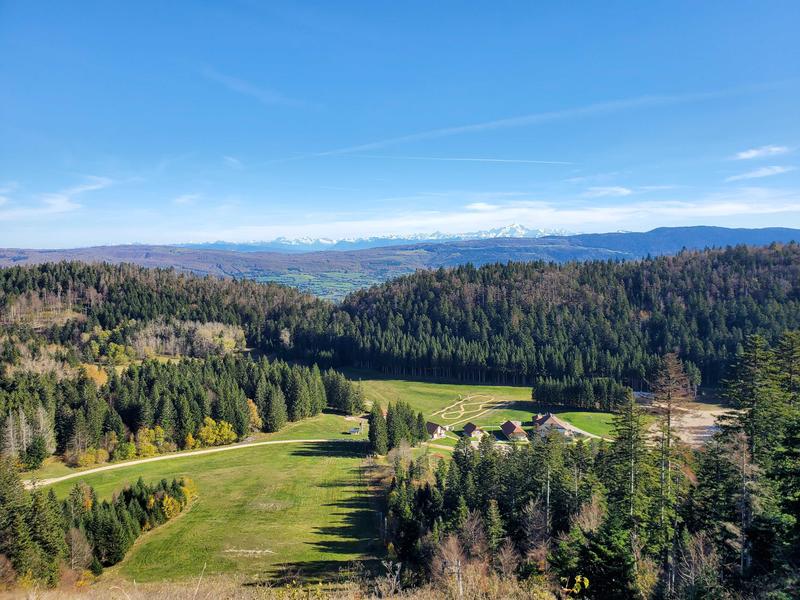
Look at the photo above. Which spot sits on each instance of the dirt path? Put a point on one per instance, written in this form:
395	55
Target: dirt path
44	482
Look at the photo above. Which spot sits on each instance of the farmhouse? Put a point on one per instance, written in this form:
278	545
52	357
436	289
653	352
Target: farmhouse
513	431
549	422
435	431
473	431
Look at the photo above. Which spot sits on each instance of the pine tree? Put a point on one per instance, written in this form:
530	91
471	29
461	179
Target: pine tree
47	527
276	415
788	360
378	436
755	389
671	389
494	525
630	479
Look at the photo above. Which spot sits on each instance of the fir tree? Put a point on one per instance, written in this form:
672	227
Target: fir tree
378	435
276	413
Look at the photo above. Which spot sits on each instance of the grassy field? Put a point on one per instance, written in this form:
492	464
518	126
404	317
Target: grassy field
261	512
328	426
485	405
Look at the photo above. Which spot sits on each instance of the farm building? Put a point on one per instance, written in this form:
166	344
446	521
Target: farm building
435	431
549	422
513	431
473	431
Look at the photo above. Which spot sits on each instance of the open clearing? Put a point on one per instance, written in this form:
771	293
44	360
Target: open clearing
263	511
488	406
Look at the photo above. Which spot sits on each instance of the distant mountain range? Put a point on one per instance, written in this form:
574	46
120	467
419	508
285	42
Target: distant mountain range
298	245
333	272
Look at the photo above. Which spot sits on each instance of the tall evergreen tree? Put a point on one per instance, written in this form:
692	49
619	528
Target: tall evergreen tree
276	413
378	434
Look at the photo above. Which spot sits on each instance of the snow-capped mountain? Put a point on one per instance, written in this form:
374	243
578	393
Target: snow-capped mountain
306	244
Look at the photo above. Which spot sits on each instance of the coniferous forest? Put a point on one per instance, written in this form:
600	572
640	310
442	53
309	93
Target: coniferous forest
506	323
111	363
642	516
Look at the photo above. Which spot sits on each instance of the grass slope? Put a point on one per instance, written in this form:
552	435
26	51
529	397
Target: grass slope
261	511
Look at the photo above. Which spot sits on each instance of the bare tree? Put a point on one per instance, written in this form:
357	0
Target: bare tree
671	389
388	586
507	559
447	567
80	550
473	536
537	532
698	567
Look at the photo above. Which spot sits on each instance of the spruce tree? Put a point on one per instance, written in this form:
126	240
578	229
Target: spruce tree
755	389
276	414
378	436
494	525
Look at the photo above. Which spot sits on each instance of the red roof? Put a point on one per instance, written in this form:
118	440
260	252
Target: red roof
552	419
510	428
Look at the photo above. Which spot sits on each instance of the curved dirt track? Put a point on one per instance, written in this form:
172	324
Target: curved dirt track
44	482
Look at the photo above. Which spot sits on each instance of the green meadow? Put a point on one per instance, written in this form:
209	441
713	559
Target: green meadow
261	512
488	406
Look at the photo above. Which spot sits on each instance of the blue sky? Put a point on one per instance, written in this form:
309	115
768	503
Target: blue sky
168	122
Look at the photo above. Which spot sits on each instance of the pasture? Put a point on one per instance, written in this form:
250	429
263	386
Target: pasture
261	512
488	406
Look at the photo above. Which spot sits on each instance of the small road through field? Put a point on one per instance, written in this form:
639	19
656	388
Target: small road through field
130	463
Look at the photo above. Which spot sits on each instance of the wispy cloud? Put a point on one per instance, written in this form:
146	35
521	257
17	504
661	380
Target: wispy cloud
761	172
605	191
233	162
469	159
5	189
241	86
599	108
185	199
761	152
55	202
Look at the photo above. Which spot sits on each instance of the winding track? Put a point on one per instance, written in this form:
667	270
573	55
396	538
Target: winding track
45	482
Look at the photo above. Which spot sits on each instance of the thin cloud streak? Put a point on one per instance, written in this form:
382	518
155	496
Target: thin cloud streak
761	152
602	192
241	86
762	172
55	202
536	118
468	159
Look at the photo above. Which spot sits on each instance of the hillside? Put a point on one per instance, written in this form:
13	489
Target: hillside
518	322
334	273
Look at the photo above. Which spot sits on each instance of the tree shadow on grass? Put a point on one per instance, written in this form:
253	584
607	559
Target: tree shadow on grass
333	449
356	532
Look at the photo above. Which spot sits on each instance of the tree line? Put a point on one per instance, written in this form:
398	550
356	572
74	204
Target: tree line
159	407
643	516
600	393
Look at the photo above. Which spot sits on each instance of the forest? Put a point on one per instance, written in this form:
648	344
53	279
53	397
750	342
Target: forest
513	323
642	516
155	407
517	323
40	535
